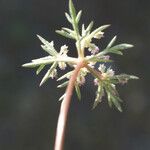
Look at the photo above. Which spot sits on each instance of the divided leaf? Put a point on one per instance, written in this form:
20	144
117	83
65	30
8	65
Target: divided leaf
48	47
113	96
118	48
40	69
99	95
65	34
72	10
48	73
111	42
68	17
78	16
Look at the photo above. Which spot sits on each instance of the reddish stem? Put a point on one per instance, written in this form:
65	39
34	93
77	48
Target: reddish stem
62	119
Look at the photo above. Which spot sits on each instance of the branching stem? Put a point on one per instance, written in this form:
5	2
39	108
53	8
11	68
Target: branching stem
62	119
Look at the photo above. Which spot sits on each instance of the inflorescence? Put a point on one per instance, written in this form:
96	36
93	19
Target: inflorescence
104	77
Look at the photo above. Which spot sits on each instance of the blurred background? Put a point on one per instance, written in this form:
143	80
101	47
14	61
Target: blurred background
28	113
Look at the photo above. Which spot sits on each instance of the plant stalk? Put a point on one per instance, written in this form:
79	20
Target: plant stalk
62	119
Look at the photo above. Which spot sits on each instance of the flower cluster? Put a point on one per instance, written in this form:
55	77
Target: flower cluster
104	78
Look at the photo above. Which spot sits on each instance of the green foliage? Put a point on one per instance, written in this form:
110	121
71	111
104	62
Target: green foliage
104	78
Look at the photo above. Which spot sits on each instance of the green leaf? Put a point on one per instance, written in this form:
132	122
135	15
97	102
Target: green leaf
72	10
40	69
112	42
109	99
100	59
65	34
99	29
38	62
86	31
99	95
116	52
113	96
120	47
62	97
78	16
77	88
68	17
48	47
90	26
65	76
112	89
123	78
30	65
116	102
115	49
63	84
68	30
47	75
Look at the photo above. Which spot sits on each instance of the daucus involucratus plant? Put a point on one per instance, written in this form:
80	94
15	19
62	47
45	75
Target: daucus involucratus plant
104	77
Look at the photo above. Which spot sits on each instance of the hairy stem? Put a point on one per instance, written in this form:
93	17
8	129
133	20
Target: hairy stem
62	119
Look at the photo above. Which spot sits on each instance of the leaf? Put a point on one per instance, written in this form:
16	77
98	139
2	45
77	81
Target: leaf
65	34
113	96
112	42
79	16
62	97
65	76
63	84
112	89
109	99
68	30
47	75
115	101
77	88
87	30
123	78
100	59
40	69
68	17
38	62
119	47
30	65
99	29
48	47
72	10
43	58
99	95
90	26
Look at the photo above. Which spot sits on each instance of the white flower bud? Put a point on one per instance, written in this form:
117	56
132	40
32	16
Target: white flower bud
62	65
110	72
102	68
53	74
99	35
64	50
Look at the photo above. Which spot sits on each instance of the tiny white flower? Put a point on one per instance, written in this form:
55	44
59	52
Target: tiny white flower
53	74
110	72
62	65
102	68
63	52
85	43
99	35
92	64
93	48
